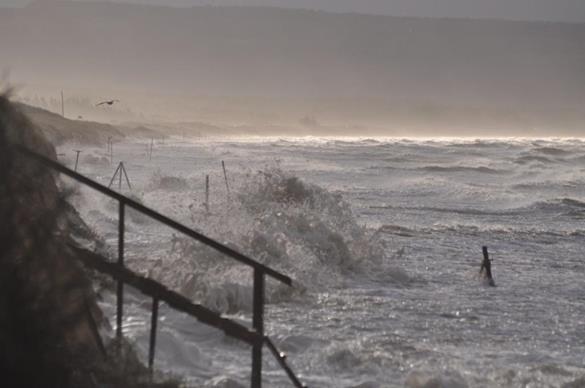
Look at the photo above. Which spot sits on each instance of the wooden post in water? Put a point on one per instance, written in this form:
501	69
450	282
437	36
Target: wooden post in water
227	186
207	193
77	159
487	265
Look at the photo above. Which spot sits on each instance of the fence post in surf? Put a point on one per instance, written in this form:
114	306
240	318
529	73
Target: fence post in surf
227	186
120	170
207	193
487	265
153	322
114	176
151	145
125	175
76	159
120	288
258	324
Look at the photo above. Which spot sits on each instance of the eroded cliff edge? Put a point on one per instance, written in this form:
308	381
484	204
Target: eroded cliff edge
48	308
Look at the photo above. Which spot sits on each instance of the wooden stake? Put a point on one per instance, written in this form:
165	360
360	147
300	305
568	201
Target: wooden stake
114	176
207	193
120	170
151	145
126	175
487	265
77	159
227	186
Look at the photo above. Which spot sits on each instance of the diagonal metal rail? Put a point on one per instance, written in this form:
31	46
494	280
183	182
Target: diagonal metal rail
159	293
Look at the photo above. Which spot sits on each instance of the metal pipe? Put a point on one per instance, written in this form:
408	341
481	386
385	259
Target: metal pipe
281	358
153	322
258	324
120	288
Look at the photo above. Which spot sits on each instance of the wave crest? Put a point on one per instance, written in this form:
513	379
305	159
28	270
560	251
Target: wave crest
297	228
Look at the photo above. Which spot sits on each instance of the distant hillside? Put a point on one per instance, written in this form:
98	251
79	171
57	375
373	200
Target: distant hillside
527	71
59	130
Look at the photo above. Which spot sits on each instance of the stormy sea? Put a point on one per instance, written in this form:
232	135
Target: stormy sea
383	238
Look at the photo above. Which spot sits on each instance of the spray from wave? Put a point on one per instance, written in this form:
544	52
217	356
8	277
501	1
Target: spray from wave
300	229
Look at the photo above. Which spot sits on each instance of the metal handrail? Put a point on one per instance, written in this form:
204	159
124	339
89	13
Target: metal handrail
159	217
158	292
281	358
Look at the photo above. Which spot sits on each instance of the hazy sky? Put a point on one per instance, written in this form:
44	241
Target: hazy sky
551	10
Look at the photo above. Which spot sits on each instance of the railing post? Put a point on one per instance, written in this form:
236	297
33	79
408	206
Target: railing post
120	291
258	323
153	322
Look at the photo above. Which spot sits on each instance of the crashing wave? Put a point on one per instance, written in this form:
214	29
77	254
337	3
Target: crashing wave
297	228
158	181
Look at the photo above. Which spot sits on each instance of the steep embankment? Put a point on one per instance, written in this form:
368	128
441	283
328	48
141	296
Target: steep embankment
45	296
48	310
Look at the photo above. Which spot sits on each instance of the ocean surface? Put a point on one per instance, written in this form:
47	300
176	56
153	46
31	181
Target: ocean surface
383	238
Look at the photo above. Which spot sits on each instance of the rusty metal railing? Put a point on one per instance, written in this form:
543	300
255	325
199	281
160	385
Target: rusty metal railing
256	337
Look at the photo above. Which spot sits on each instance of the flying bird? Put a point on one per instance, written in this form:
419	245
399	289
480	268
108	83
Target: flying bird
109	102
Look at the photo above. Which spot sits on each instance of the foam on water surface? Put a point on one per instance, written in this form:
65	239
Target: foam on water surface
383	239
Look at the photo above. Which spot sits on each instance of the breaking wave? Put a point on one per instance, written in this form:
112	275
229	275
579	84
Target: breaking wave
481	169
526	159
297	228
552	151
558	205
158	181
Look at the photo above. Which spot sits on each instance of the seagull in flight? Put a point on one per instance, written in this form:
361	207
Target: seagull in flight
108	102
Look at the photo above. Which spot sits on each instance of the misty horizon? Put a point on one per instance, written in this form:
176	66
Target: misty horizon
284	68
568	11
